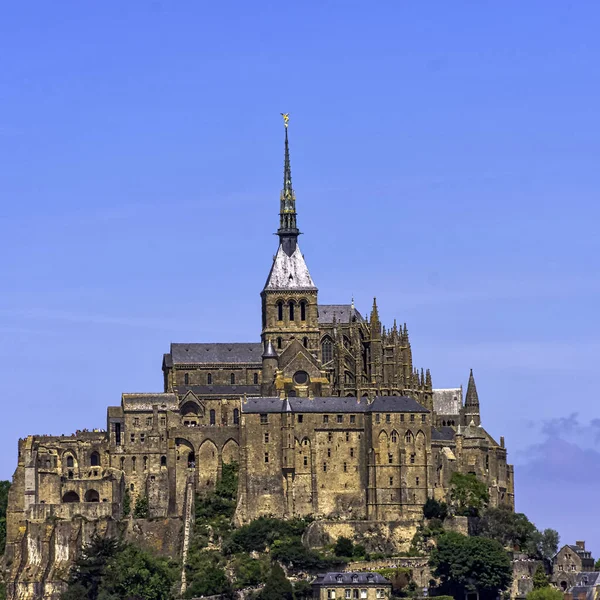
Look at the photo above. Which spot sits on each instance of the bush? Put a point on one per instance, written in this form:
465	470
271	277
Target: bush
140	510
302	590
545	593
277	586
261	533
249	571
206	575
343	547
432	509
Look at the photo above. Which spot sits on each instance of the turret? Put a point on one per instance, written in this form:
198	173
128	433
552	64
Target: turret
270	363
471	408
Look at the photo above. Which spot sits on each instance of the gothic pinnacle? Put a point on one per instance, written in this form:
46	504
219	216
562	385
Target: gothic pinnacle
288	229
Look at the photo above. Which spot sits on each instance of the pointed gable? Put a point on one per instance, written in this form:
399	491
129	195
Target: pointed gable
289	272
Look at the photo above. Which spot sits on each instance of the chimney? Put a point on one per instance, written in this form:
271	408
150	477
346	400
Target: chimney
581	544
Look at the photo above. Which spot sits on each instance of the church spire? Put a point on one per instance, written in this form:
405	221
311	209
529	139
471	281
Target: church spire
471	408
288	230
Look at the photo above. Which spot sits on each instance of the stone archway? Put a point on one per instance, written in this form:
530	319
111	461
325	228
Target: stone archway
207	461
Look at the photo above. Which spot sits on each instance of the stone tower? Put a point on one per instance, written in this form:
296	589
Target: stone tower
289	298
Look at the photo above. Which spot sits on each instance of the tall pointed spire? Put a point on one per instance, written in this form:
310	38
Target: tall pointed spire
471	408
288	230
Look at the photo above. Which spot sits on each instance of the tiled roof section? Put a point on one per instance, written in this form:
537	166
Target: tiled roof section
442	434
219	390
289	272
447	401
350	578
396	404
262	405
145	402
581	551
334	404
343	313
216	353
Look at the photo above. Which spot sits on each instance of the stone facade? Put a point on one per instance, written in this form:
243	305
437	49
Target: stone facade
351	586
569	562
326	416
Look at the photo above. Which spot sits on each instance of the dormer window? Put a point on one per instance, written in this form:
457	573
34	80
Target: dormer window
354	578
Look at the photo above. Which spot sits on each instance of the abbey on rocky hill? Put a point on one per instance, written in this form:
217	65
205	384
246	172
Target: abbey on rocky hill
326	416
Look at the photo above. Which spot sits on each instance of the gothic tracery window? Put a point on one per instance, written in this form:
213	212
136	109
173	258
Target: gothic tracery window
327	350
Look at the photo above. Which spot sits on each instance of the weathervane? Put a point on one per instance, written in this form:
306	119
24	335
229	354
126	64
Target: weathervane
286	118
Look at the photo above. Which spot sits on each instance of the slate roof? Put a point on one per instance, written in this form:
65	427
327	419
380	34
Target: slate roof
219	390
343	313
447	401
145	402
289	272
442	434
585	583
334	404
350	578
216	353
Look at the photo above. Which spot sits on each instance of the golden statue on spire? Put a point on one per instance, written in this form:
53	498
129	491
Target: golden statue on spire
286	118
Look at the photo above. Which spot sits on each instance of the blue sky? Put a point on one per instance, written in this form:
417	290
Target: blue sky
444	157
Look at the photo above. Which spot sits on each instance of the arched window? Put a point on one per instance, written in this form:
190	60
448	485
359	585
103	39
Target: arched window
163	461
303	311
186	379
92	496
279	342
133	463
232	378
305	342
70	462
191	460
213	419
327	350
209	379
408	437
145	463
255	378
292	307
236	416
95	459
280	310
122	463
394	436
71	497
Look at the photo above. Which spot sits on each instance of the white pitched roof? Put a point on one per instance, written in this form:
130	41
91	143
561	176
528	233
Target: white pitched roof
289	272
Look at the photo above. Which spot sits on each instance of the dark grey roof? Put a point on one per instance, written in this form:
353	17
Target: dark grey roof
263	405
580	551
334	404
219	390
343	313
352	577
396	404
216	353
445	434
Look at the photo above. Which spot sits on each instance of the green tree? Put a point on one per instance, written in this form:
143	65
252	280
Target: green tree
302	590
2	591
249	571
343	547
277	586
468	495
140	510
432	509
4	487
597	565
126	503
206	575
547	544
507	527
540	579
545	593
469	564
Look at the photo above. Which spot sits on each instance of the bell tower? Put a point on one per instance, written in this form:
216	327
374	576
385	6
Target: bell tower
289	298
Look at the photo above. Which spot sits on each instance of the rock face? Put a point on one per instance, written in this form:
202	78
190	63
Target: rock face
38	564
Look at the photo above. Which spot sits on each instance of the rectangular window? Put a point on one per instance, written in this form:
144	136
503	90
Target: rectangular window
118	434
142	437
388	418
267	437
412	418
412	459
132	437
351	452
306	461
264	419
136	421
149	421
423	418
347	436
330	437
325	418
380	593
300	418
417	481
352	419
347	594
340	418
402	418
345	468
391	481
377	418
324	466
163	421
328	452
355	594
363	593
331	594
266	457
390	458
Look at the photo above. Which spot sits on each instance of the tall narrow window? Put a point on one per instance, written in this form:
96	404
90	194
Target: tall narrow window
303	311
255	378
145	463
236	416
280	310
70	462
305	342
279	343
212	416
95	459
209	379
133	463
122	463
186	379
327	350
232	378
163	461
118	434
292	307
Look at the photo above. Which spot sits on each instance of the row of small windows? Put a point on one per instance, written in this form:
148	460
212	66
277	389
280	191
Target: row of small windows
232	378
94	460
279	342
292	310
388	418
163	463
212	418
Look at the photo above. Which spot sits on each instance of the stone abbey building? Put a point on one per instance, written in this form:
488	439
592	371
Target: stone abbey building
326	415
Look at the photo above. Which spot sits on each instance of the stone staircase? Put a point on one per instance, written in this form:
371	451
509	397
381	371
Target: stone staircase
188	519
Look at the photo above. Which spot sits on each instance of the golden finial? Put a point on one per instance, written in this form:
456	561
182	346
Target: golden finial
286	118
